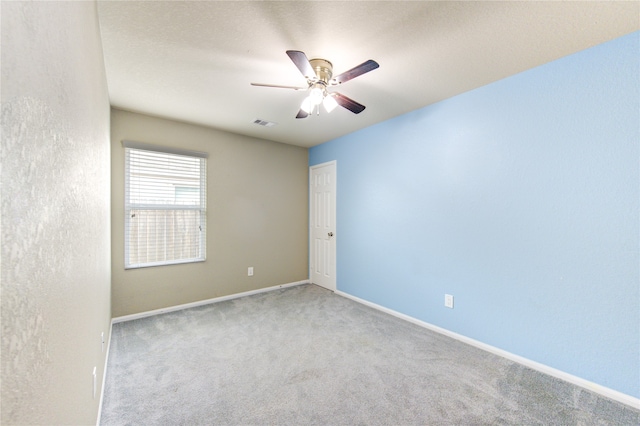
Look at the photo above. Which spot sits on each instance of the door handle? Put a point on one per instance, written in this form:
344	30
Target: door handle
330	234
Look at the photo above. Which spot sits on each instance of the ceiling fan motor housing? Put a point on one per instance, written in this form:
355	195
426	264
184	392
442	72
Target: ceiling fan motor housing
323	70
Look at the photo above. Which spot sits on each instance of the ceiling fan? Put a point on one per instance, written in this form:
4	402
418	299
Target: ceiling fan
319	75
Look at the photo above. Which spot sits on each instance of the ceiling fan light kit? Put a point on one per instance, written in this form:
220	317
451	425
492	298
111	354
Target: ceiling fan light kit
319	73
329	103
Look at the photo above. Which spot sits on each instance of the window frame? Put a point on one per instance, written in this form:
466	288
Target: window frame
128	206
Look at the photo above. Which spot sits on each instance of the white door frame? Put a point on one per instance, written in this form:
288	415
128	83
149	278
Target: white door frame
332	261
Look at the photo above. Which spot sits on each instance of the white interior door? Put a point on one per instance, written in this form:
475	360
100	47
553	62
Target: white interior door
322	224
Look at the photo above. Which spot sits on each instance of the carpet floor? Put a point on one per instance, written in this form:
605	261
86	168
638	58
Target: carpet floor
305	356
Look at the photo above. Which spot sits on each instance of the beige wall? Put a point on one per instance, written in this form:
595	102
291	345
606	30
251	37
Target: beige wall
55	213
257	215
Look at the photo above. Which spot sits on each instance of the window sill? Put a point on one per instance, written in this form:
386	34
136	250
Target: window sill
152	264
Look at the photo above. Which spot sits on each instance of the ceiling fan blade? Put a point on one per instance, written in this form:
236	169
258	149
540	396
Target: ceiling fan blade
354	72
279	86
302	114
303	64
348	103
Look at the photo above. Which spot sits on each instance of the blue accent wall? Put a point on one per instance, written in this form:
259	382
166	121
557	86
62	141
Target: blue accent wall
522	200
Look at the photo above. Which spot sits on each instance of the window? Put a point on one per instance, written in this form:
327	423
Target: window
165	206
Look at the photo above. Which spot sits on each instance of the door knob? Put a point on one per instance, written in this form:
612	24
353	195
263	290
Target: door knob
330	234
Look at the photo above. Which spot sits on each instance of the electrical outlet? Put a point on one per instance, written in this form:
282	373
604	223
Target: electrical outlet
250	271
448	301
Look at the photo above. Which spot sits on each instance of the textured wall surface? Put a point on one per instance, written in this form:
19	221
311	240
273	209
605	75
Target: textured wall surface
521	200
55	212
257	209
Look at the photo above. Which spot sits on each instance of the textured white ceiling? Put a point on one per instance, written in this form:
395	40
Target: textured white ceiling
194	61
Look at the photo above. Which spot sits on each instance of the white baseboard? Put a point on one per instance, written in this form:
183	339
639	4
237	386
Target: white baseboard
604	391
203	302
104	375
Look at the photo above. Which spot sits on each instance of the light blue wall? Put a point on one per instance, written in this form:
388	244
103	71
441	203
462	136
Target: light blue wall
520	198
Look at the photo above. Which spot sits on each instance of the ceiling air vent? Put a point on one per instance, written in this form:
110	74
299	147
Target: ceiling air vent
263	123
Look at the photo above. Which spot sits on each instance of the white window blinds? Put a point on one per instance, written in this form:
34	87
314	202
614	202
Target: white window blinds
165	205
